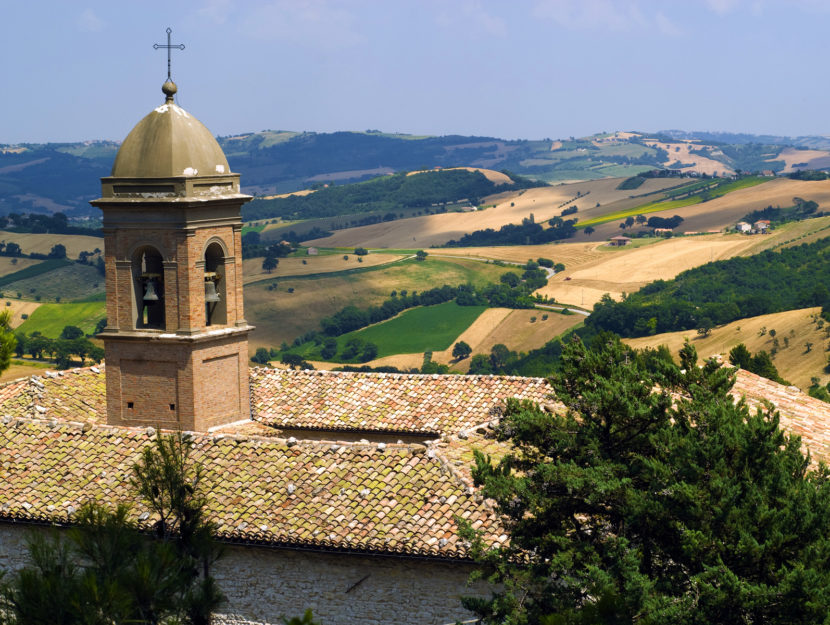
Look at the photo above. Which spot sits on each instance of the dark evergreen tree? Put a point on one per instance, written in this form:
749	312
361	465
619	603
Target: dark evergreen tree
652	498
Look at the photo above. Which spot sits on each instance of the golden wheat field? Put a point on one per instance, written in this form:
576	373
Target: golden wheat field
42	243
619	270
10	265
543	203
793	329
680	151
795	158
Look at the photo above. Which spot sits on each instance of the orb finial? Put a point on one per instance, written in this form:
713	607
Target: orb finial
169	89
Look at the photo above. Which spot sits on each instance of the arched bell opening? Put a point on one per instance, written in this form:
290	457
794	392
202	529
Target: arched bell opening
216	307
148	289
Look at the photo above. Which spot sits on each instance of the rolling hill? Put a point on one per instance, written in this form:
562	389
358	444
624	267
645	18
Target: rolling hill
63	176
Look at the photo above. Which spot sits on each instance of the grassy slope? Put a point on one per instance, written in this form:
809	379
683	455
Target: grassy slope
794	363
50	319
32	271
664	205
70	282
281	316
426	328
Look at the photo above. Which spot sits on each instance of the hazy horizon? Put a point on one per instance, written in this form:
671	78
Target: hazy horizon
528	70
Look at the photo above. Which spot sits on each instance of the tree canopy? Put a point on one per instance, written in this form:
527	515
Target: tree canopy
653	498
722	291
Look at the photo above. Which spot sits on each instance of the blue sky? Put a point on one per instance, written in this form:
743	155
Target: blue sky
513	69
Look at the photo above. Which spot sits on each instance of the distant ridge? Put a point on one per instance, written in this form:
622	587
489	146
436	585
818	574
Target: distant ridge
64	176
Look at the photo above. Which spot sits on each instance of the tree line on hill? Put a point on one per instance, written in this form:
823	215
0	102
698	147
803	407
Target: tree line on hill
723	291
801	209
384	195
71	342
528	233
37	223
514	290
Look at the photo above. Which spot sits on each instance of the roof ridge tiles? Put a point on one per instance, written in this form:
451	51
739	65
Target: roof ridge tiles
382	375
85	427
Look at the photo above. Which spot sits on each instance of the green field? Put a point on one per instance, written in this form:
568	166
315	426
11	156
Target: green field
663	205
258	228
426	328
50	319
297	305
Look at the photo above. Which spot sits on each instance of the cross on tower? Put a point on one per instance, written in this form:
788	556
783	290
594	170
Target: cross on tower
169	46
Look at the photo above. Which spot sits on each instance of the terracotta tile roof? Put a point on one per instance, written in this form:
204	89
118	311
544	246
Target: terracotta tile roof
391	402
800	414
376	498
74	395
392	498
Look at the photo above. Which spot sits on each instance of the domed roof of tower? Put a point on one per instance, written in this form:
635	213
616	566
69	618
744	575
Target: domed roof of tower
169	143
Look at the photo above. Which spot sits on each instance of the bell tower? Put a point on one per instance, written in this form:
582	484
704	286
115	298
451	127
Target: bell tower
176	340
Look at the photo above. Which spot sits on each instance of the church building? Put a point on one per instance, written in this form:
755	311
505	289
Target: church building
333	491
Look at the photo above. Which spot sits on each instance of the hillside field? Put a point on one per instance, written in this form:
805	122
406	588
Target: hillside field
43	243
425	328
328	263
50	319
793	329
725	211
69	282
543	203
282	316
514	328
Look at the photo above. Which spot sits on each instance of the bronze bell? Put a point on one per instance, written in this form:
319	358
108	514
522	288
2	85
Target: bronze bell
150	294
211	296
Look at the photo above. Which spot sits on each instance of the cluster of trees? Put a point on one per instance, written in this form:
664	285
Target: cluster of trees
664	222
528	233
383	195
72	342
40	223
654	498
513	291
721	292
809	174
760	363
497	362
254	247
635	182
801	209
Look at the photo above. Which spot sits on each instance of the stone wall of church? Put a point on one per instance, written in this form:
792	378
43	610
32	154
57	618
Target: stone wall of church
264	584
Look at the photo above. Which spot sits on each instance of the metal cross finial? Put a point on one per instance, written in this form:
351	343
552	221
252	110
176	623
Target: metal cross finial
169	46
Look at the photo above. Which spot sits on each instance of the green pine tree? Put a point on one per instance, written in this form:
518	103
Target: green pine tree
652	499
